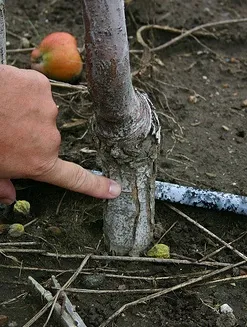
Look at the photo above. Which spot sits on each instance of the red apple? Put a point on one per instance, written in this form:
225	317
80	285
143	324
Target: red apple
57	57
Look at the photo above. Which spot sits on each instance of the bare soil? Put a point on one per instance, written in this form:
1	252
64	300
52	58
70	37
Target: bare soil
198	86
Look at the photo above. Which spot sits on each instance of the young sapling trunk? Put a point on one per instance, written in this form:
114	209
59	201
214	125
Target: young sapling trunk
126	128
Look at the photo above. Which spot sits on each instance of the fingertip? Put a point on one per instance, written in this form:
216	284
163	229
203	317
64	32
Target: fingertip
7	201
7	192
75	178
114	189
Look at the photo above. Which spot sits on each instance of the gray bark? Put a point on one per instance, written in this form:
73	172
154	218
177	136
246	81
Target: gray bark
2	33
126	128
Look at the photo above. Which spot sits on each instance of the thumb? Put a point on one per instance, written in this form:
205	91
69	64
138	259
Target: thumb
7	191
75	178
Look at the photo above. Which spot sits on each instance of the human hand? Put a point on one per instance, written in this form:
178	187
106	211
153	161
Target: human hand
30	140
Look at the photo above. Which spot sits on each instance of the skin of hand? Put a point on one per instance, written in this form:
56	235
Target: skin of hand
30	140
57	57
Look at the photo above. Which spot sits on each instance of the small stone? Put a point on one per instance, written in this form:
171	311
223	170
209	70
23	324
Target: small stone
211	175
244	103
234	60
3	320
208	11
225	308
25	43
242	272
93	281
13	324
226	317
192	99
54	231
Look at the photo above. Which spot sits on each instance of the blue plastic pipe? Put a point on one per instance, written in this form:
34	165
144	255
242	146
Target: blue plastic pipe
199	198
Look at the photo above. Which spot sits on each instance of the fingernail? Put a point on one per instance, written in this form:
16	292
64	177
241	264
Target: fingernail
114	189
6	201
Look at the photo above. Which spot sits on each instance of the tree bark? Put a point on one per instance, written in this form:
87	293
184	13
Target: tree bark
126	128
2	33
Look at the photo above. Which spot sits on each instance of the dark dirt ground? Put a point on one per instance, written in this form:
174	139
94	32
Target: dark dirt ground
203	145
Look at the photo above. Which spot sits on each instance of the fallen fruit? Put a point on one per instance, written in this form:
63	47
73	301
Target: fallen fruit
22	207
16	230
57	57
159	251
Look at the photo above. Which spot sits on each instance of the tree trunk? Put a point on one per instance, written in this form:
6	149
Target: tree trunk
126	128
2	33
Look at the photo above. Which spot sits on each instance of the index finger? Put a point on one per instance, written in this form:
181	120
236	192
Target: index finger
75	178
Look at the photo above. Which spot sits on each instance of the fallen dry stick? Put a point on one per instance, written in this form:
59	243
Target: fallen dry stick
53	300
143	300
205	230
115	258
209	255
183	35
67	284
119	276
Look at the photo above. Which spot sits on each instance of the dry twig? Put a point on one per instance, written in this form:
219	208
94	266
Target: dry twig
67	284
20	50
60	203
38	315
166	232
168	290
127	292
227	245
209	255
226	280
120	276
2	252
184	34
17	243
117	258
53	300
138	259
14	299
68	86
